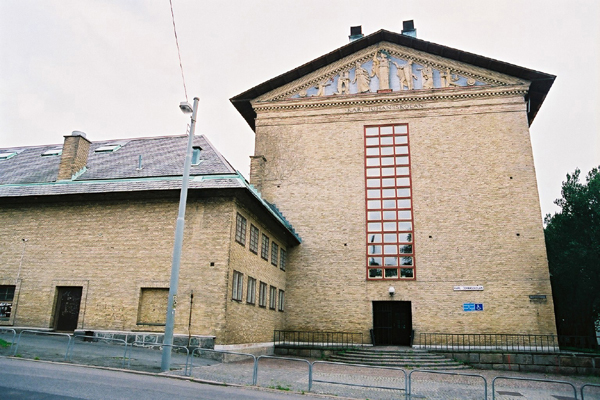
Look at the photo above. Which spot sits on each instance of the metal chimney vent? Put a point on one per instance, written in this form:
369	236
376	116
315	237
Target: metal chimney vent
355	33
408	28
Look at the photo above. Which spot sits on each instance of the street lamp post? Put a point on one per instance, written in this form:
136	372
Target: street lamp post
172	302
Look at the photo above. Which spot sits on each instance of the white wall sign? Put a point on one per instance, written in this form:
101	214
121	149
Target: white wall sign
468	287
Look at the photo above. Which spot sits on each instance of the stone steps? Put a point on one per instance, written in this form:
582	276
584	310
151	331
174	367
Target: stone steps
402	358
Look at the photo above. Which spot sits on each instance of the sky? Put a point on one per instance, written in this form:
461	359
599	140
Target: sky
110	68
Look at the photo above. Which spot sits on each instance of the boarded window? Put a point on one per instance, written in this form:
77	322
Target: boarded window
153	306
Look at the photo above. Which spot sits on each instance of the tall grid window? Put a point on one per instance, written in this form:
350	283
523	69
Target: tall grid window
240	229
237	287
272	297
251	291
253	239
262	295
264	251
282	259
390	231
274	253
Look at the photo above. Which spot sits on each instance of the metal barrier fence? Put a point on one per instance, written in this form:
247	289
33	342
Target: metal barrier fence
408	378
286	359
14	332
514	378
485	341
359	366
97	339
317	340
69	337
588	385
254	361
485	395
160	345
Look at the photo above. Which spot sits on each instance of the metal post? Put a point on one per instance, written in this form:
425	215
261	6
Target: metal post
172	302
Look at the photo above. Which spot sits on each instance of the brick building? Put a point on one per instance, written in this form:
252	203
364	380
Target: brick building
405	167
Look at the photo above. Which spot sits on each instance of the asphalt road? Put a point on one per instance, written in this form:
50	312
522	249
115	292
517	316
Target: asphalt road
28	380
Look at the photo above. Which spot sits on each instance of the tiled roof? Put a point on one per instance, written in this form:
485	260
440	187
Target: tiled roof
30	174
161	156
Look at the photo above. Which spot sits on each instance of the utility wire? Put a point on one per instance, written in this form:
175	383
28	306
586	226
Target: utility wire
178	51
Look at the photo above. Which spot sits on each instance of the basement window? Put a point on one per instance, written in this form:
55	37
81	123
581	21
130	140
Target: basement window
52	152
111	148
6	155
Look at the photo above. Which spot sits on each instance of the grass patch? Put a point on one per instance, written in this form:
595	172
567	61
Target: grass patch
4	343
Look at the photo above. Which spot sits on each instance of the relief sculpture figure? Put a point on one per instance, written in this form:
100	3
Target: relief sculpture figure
361	77
426	76
343	85
381	68
406	75
447	79
321	87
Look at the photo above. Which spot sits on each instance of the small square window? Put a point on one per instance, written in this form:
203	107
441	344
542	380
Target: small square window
262	295
272	297
237	286
274	253
240	229
264	251
375	273
282	259
253	239
281	299
251	291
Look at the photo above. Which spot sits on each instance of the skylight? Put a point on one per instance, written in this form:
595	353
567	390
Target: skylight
5	155
109	148
52	152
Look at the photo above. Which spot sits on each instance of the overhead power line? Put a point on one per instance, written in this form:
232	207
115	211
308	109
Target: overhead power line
178	51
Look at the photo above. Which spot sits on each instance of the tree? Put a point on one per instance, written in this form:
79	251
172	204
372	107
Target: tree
573	247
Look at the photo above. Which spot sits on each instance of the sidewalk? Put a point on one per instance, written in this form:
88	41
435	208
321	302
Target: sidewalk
292	374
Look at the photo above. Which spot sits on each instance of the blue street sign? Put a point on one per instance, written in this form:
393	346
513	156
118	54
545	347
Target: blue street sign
473	307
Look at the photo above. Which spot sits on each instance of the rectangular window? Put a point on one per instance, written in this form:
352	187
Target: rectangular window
281	299
282	256
262	295
264	251
153	306
237	286
253	239
390	228
274	253
7	294
251	291
240	229
272	297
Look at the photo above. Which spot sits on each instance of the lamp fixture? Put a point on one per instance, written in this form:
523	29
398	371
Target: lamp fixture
185	107
392	291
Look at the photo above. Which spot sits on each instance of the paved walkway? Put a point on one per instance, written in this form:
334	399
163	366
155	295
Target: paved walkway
292	374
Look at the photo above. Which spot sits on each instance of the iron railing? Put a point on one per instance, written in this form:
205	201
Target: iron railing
317	340
505	341
488	342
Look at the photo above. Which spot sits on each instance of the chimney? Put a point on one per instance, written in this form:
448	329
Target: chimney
74	155
355	33
257	171
408	28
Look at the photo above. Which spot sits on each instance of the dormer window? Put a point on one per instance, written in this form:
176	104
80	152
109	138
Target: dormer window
109	148
6	155
52	152
196	155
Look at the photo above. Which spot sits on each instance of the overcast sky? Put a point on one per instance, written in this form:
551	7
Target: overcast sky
110	68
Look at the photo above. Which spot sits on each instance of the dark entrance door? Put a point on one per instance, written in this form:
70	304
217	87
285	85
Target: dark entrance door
67	308
392	323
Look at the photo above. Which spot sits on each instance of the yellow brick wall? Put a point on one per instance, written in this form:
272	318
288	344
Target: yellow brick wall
114	248
476	214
